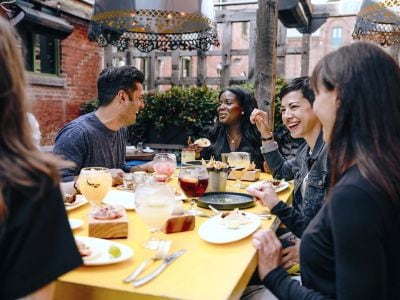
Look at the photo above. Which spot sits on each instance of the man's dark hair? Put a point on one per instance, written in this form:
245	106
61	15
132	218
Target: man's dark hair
114	79
299	84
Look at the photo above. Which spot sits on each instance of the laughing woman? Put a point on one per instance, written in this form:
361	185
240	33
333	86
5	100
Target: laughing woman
351	249
233	131
309	168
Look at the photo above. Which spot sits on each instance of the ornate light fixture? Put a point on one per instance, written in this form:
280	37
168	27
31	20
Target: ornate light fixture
379	21
154	24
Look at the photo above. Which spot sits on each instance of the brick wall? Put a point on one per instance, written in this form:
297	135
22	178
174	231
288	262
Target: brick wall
81	62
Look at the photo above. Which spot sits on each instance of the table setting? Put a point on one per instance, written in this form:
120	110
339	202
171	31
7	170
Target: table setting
203	248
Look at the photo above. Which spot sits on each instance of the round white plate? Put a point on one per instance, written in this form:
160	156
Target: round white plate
100	247
80	201
148	150
282	186
214	231
75	223
123	198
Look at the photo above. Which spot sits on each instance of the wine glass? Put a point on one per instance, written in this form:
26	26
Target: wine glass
193	181
94	183
154	203
240	161
164	164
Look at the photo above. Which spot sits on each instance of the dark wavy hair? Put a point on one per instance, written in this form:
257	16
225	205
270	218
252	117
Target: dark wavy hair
114	79
367	121
299	84
250	134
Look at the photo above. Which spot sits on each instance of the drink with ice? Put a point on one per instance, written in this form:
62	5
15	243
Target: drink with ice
164	163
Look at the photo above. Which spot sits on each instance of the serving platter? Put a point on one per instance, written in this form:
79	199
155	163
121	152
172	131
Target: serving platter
226	200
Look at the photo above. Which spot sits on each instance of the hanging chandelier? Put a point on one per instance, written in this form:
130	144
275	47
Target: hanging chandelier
154	24
378	21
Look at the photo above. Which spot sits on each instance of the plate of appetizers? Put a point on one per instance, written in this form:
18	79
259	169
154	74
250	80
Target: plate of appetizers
229	227
97	252
123	198
73	203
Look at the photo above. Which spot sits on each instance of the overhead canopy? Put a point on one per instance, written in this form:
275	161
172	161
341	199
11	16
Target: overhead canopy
155	24
37	21
378	21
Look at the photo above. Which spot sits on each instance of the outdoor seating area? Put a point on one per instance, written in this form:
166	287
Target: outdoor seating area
199	149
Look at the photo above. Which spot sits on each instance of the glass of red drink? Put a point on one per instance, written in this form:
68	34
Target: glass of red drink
164	164
193	181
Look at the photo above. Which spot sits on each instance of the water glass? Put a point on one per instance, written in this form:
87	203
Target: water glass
154	203
128	181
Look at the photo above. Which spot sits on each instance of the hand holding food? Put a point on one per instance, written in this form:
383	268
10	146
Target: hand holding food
264	191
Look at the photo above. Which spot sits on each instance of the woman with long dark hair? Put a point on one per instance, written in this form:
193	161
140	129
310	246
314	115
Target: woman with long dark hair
233	131
351	249
36	243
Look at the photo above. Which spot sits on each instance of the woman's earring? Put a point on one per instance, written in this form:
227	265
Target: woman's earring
242	112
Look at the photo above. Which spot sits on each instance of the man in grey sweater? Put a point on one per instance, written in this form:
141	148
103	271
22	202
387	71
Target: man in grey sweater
98	139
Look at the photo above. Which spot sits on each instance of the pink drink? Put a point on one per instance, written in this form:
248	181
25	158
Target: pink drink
164	168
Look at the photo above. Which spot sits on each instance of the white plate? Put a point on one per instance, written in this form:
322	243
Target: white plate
80	201
123	198
100	248
75	223
214	231
148	150
282	186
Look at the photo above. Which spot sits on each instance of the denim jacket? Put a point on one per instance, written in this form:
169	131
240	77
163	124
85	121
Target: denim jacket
303	210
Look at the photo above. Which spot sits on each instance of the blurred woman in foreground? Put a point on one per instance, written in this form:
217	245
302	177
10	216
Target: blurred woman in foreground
36	243
351	249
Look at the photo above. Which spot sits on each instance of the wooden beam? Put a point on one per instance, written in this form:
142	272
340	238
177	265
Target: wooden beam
74	8
151	79
267	22
175	67
222	16
252	51
281	50
201	68
226	54
305	56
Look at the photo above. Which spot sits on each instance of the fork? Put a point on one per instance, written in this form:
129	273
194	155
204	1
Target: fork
161	253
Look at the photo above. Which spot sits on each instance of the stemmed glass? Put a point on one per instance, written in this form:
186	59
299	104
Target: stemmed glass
193	181
240	161
164	164
94	183
154	204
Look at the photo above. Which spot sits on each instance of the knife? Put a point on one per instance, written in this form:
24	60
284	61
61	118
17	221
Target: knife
167	261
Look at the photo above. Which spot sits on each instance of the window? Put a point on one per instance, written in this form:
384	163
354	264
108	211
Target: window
42	52
186	67
337	37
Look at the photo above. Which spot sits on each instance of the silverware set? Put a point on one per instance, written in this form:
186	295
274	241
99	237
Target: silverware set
161	254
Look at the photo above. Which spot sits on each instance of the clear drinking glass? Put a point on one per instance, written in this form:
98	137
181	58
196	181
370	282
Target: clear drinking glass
240	161
164	164
193	181
94	183
154	203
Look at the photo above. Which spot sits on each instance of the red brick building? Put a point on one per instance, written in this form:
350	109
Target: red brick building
62	73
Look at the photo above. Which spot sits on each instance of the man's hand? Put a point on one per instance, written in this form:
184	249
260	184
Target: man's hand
147	167
265	193
117	175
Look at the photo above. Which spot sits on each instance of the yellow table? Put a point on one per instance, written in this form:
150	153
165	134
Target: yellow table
205	271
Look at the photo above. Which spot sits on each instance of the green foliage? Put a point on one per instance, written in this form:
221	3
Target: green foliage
278	124
193	107
89	106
